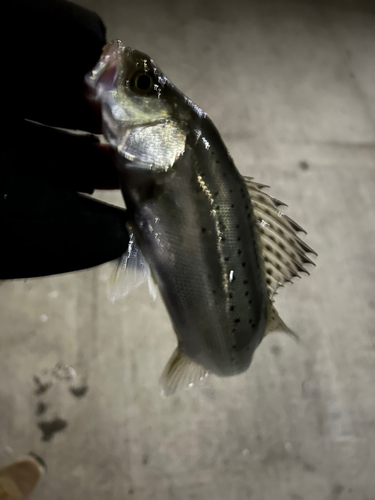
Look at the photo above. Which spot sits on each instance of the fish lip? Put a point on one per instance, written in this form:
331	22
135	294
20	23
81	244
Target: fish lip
108	62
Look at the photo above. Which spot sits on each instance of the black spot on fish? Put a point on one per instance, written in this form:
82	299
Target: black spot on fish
303	165
246	294
239	238
203	229
231	295
239	252
245	282
237	226
237	320
243	264
232	205
217	207
217	161
232	308
226	259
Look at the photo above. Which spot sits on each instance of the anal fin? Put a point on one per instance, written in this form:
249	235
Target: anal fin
180	373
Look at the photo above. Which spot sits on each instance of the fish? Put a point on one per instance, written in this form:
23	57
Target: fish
217	245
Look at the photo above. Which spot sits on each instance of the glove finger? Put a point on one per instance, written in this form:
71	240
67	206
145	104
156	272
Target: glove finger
46	66
46	230
73	161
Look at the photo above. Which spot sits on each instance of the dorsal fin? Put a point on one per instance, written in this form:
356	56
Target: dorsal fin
284	253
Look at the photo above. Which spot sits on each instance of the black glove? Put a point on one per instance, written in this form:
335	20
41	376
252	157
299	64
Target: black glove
46	227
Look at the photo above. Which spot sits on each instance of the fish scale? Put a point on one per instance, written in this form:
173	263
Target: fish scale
238	243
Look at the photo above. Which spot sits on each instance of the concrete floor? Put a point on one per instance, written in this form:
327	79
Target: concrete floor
285	83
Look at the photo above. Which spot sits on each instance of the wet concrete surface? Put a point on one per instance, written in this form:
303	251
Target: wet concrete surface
290	85
49	428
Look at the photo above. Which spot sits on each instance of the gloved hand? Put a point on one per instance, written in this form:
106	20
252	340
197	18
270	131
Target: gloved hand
46	226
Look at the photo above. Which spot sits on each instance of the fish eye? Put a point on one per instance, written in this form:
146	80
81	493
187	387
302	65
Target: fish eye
142	83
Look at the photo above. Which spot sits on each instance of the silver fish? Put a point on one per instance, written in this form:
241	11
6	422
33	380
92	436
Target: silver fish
217	245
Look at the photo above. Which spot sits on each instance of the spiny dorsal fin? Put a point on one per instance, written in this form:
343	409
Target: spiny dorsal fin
180	373
284	253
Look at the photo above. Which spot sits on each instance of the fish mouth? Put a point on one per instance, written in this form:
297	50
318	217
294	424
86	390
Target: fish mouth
101	79
103	76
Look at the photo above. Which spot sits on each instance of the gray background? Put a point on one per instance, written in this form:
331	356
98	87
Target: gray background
285	83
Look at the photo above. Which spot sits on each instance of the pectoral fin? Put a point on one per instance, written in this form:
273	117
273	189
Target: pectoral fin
129	272
180	373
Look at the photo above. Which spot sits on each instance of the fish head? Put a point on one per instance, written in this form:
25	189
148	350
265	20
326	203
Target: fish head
145	118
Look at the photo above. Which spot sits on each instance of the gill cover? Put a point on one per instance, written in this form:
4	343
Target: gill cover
139	120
